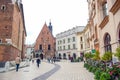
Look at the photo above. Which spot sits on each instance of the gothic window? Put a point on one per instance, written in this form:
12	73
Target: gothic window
0	40
107	45
49	47
40	47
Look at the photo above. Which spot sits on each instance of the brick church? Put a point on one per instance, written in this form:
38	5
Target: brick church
45	42
12	30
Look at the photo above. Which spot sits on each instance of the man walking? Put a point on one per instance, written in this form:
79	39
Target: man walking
17	61
38	62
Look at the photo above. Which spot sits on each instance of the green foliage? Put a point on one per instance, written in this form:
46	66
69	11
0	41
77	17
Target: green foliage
117	54
88	55
105	76
96	56
107	56
90	69
97	74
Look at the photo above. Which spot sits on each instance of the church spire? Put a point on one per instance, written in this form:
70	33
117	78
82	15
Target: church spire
50	26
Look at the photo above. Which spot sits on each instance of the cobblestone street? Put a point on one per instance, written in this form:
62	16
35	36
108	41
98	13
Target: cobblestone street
47	71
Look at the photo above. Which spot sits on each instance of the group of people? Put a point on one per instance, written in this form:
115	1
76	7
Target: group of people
51	59
18	60
38	61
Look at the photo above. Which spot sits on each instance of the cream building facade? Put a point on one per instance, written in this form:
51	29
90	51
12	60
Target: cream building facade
104	21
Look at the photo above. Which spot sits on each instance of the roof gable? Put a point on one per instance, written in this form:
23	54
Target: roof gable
44	32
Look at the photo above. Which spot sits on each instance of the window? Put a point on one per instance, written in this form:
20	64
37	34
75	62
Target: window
73	39
64	41
3	7
64	47
0	40
40	47
49	47
60	48
107	45
68	40
68	46
58	42
74	46
81	46
81	39
105	9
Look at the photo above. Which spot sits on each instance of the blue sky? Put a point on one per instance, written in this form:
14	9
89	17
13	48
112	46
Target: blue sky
64	15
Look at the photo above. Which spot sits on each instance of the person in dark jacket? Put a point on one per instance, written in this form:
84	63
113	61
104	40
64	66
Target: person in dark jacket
38	62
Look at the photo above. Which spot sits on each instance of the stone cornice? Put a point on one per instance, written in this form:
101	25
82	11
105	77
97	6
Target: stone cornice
115	7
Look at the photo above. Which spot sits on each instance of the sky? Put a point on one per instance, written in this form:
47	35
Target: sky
63	14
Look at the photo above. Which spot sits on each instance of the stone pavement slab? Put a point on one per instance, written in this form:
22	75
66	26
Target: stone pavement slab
72	71
27	73
64	70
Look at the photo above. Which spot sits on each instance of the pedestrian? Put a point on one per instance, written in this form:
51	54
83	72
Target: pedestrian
38	62
17	61
32	60
54	58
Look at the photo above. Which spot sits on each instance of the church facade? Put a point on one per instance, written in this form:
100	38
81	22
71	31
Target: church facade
45	42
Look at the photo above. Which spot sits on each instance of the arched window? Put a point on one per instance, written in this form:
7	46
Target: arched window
64	56
107	44
59	56
74	56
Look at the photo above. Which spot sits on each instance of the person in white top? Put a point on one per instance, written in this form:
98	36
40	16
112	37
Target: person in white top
17	61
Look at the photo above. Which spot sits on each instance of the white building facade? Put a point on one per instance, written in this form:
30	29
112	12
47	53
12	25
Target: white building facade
66	43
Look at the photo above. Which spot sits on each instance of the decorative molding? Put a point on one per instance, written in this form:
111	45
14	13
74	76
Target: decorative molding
115	7
104	22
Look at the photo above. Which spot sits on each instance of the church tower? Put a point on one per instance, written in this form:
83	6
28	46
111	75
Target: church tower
50	26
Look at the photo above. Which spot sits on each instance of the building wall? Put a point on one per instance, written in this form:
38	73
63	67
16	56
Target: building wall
105	24
12	30
69	34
